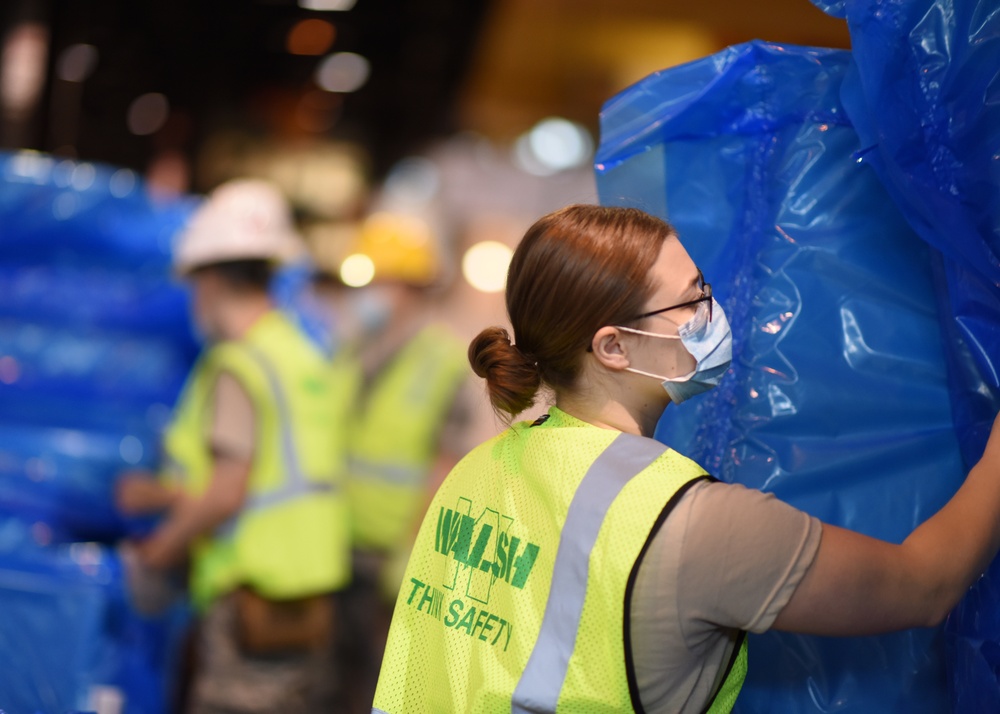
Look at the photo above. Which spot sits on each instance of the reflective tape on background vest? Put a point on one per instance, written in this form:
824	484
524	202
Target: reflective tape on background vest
296	484
394	474
542	679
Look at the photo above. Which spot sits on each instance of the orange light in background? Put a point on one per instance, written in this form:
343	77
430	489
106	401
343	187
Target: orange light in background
168	174
310	37
318	111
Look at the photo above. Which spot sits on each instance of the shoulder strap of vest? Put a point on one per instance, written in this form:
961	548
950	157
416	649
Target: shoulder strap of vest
543	676
633	685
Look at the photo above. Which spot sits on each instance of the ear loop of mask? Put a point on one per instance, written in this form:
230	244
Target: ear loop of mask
683	378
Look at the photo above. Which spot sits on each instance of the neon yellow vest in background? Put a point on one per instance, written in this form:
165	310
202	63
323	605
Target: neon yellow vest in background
291	538
394	437
514	599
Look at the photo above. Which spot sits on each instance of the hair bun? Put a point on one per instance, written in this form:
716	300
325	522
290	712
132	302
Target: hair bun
511	376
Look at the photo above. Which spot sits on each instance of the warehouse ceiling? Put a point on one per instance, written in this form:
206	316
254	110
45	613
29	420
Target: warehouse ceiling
227	62
436	66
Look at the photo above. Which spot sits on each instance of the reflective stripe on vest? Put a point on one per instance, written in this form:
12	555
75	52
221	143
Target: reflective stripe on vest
396	474
296	484
542	680
393	437
291	536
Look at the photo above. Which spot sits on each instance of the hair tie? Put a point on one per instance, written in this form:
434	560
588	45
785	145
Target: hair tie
526	355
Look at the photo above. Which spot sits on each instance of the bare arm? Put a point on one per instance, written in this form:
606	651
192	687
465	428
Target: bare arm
859	585
191	517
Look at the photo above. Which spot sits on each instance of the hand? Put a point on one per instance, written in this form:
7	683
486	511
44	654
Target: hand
995	430
166	548
139	493
154	553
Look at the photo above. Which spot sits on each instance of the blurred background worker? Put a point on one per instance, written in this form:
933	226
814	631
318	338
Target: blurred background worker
251	493
410	422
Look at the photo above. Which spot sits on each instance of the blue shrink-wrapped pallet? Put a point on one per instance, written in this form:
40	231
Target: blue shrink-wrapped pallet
95	343
95	339
70	640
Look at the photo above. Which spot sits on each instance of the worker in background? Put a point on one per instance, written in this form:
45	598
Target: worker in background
252	494
409	426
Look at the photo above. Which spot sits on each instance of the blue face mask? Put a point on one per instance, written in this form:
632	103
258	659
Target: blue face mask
711	345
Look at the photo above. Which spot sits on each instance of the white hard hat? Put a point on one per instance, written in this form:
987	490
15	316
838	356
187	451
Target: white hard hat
243	219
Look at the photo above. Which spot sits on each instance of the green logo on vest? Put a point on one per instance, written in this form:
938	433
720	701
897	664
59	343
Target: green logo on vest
483	548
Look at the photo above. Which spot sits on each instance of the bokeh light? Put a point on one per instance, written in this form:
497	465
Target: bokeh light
343	72
310	37
147	113
77	62
357	270
553	145
484	266
327	5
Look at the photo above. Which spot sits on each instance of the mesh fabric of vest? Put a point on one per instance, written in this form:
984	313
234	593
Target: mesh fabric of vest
472	604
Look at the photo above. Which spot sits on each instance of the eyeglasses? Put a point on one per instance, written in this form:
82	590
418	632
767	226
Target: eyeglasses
706	296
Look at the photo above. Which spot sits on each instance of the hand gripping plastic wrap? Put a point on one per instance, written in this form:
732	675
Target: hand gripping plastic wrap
838	399
924	95
95	339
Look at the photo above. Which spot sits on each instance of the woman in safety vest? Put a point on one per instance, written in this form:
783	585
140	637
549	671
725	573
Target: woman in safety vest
575	564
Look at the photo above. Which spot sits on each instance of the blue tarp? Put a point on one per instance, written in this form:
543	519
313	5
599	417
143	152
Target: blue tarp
839	398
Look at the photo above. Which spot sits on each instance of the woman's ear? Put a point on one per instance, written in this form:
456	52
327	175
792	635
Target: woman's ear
608	348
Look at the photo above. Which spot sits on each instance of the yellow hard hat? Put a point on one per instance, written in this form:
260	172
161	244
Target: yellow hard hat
400	247
243	219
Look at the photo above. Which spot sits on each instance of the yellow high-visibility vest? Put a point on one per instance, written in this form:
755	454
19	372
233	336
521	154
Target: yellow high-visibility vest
395	434
515	598
292	536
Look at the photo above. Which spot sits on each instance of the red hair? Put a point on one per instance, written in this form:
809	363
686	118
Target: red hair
576	270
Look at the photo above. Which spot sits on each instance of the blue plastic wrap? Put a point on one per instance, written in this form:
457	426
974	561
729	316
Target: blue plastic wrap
924	94
95	343
95	338
69	636
838	399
